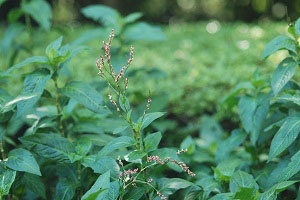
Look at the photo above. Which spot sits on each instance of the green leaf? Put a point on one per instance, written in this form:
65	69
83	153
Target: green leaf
242	179
143	31
50	146
222	196
230	99
55	45
34	59
134	194
245	194
65	189
290	170
283	73
280	187
189	144
168	186
225	169
40	11
285	136
151	142
278	43
292	98
7	177
11	33
210	131
193	192
103	14
22	160
34	184
85	95
90	35
268	195
271	194
94	196
260	116
132	17
209	184
297	26
135	155
103	182
224	148
34	84
149	118
10	105
102	165
247	106
83	146
117	143
113	192
14	15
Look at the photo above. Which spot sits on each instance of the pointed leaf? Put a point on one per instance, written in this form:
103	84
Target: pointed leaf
143	31
7	177
283	73
55	45
278	43
103	182
40	11
242	179
85	95
34	184
117	143
50	146
290	170
34	59
285	136
65	189
132	17
22	160
247	106
34	84
149	118
152	141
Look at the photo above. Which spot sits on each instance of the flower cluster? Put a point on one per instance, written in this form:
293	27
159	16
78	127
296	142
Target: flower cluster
107	72
156	159
182	165
181	151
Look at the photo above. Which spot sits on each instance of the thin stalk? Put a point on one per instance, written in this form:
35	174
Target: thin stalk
79	179
29	30
59	109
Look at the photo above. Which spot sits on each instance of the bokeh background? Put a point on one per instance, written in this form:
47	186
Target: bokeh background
172	11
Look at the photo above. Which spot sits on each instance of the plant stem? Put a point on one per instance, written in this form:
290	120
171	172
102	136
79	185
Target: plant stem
79	179
29	30
2	150
59	109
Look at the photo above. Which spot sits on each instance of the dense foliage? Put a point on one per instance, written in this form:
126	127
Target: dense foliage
70	137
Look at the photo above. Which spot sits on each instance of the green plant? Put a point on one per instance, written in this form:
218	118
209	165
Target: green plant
68	134
261	160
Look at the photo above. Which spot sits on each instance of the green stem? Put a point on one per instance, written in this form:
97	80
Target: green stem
29	30
2	150
59	109
79	179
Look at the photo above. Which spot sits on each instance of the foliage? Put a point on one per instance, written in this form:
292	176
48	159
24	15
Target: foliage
65	138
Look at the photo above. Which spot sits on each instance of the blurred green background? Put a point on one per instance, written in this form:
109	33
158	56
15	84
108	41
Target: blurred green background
172	11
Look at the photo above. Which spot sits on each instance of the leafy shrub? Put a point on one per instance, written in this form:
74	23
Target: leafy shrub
58	140
266	164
